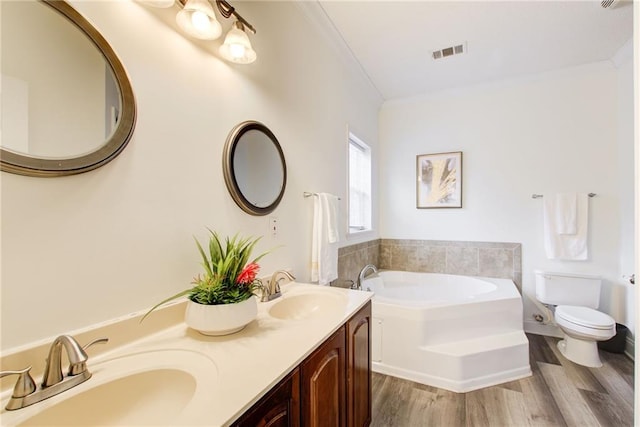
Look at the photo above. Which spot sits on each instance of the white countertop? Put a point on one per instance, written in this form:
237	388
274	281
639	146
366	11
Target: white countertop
242	366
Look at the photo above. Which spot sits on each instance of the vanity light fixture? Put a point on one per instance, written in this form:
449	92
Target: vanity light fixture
198	19
237	47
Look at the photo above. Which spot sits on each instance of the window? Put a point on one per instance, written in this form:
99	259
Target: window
359	185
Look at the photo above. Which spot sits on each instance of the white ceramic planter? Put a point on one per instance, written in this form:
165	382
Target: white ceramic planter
220	319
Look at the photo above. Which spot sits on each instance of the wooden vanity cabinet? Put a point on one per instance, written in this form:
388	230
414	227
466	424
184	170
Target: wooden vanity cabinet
323	384
330	388
278	408
359	368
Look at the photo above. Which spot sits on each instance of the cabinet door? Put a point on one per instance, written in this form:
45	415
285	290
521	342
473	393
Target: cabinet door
323	386
279	408
359	368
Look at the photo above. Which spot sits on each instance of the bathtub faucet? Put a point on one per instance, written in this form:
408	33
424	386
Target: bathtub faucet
363	272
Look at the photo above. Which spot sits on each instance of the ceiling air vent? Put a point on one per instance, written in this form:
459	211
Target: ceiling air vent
453	50
609	4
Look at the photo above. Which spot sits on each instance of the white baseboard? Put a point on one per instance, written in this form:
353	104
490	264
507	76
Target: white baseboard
454	385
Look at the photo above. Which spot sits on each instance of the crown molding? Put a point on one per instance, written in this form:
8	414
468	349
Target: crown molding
320	21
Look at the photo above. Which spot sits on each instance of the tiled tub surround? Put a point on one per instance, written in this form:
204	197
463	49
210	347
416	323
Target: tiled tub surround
486	259
352	258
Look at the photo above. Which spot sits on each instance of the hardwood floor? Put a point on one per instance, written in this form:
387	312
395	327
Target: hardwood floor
559	393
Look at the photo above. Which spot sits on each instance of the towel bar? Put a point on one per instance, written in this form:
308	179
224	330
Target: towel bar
307	194
537	196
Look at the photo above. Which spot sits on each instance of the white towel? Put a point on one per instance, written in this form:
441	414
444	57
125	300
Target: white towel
558	219
324	244
566	212
329	204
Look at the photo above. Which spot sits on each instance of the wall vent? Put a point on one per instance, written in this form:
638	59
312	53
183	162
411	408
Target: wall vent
453	50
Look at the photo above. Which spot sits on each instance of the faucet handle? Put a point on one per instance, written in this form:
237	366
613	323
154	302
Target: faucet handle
25	384
96	341
276	281
81	366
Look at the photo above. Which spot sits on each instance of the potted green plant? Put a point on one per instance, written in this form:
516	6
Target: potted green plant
221	299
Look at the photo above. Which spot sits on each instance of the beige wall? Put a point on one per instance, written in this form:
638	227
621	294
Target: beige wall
83	249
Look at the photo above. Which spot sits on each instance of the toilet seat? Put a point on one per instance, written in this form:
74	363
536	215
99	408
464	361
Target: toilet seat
585	316
584	321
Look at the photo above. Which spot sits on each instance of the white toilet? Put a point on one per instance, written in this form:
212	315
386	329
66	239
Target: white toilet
576	298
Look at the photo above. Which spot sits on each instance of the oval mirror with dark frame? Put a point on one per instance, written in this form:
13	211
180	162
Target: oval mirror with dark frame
254	168
67	103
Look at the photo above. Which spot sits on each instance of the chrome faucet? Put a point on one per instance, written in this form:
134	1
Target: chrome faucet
363	273
26	393
77	360
272	290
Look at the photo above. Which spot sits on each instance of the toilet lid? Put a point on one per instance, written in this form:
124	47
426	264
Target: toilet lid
585	316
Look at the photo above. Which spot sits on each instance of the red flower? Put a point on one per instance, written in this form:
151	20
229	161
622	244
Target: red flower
248	274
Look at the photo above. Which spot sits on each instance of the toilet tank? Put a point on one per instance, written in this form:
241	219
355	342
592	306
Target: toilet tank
567	289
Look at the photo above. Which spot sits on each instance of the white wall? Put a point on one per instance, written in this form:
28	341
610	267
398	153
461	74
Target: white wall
549	133
628	214
83	249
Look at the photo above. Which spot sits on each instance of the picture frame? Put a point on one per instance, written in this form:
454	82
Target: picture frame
439	180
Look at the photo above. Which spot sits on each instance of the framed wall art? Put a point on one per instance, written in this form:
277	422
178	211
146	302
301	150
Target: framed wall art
439	180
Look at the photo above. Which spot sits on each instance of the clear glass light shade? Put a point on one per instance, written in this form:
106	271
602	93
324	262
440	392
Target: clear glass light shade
198	20
237	47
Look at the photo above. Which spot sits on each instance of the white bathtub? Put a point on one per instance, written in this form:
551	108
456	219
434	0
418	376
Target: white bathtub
459	333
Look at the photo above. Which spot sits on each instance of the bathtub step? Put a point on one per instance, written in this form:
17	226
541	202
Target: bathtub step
480	345
470	364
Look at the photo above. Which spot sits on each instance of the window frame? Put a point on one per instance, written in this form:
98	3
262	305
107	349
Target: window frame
368	216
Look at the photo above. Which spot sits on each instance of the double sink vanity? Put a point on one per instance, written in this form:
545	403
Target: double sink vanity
305	360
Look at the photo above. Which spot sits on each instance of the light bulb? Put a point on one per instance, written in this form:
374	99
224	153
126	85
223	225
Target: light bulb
198	20
237	50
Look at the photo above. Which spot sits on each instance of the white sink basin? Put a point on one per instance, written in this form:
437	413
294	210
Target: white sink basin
308	304
160	387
